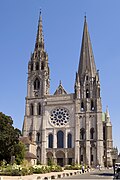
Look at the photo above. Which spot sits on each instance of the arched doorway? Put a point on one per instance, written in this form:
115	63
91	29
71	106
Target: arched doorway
60	156
49	158
70	156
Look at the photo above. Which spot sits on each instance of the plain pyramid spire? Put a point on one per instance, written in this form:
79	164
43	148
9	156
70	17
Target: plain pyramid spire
87	63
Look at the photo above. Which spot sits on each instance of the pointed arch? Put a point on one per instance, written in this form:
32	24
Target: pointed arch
82	134
36	84
50	141
38	137
69	140
60	139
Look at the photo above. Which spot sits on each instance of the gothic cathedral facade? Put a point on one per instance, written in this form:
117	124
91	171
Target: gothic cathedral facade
67	128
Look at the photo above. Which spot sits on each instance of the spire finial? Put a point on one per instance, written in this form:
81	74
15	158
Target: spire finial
60	82
40	11
85	16
40	15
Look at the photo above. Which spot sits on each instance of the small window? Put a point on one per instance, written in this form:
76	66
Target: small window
39	109
87	93
38	137
92	133
30	136
92	105
91	157
82	133
31	110
36	84
82	106
42	65
37	65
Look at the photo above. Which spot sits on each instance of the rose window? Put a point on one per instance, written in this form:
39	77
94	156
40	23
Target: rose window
59	116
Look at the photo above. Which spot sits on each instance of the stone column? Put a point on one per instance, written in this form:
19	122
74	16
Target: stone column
87	143
100	152
77	138
66	158
65	138
54	138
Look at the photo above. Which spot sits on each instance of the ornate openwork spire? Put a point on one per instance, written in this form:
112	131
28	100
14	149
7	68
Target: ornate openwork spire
39	39
87	63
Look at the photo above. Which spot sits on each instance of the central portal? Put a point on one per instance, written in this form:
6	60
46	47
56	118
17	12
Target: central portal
60	161
60	156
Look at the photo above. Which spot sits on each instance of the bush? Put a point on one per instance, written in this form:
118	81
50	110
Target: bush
73	167
16	170
56	168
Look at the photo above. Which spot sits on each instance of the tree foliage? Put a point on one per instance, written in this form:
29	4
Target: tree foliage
9	139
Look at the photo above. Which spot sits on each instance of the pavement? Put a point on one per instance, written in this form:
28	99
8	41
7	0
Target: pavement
49	176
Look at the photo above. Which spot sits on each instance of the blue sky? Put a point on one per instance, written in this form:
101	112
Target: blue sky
62	27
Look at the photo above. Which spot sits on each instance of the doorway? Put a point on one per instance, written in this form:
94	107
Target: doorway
60	161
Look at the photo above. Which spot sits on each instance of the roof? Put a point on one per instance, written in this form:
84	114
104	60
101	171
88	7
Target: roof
30	155
60	90
25	140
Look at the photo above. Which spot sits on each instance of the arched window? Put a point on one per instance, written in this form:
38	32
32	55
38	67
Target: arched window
31	110
37	65
39	109
69	141
38	137
32	67
82	133
87	93
92	105
60	139
82	106
92	133
50	141
42	65
30	136
36	84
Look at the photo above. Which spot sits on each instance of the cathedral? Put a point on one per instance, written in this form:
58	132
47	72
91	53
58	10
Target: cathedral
67	128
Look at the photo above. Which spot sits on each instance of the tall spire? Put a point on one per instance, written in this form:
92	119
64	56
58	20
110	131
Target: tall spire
87	63
39	39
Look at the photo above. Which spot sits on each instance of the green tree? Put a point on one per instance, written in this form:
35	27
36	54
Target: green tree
9	138
19	152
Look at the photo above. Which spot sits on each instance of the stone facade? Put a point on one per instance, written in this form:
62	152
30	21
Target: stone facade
67	128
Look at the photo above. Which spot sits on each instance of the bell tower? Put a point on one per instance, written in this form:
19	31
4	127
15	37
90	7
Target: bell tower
90	107
38	85
38	69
